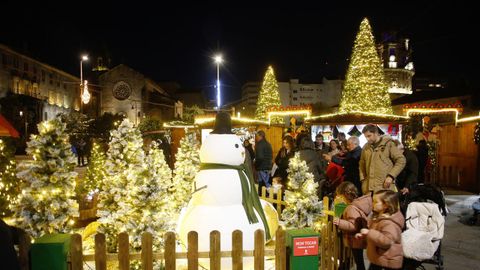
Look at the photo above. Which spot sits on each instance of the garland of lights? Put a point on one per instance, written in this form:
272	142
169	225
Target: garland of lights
435	105
289	108
476	134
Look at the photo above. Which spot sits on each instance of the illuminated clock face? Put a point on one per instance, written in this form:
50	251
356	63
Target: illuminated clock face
122	90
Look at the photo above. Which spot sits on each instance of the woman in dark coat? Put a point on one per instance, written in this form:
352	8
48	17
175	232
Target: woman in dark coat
283	157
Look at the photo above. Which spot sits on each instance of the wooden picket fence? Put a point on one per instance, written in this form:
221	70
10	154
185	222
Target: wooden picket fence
169	257
333	254
275	198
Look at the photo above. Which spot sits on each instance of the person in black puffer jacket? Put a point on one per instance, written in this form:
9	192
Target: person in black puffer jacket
309	155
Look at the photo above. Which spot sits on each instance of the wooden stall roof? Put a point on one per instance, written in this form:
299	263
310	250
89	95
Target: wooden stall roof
356	118
236	122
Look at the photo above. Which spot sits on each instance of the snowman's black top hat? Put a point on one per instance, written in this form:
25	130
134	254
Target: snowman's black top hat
223	124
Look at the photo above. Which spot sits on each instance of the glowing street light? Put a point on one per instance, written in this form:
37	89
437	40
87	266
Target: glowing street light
84	58
218	60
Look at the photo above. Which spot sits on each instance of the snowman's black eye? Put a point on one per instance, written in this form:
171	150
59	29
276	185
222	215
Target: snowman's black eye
236	145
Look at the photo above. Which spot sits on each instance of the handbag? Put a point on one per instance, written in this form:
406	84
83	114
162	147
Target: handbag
274	168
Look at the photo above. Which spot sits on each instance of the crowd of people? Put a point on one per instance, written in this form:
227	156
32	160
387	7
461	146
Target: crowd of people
371	179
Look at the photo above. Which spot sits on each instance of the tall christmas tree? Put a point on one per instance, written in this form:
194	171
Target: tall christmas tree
150	200
135	198
46	204
269	96
365	88
95	176
9	183
125	162
303	208
187	165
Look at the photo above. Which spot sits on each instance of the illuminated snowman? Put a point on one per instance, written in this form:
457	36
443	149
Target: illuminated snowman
218	202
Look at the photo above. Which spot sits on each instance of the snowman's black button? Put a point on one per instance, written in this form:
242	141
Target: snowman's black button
236	145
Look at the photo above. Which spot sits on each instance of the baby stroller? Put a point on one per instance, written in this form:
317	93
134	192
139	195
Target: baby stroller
425	220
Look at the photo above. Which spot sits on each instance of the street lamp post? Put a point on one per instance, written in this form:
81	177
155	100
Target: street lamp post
26	123
84	58
218	61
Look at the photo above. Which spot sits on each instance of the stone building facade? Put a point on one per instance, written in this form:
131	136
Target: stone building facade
129	92
32	91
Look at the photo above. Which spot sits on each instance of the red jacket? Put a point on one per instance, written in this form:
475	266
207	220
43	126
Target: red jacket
334	173
354	219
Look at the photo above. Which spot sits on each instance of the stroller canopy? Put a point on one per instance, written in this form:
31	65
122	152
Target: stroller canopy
425	226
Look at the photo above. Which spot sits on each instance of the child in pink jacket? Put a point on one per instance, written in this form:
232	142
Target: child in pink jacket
384	235
354	218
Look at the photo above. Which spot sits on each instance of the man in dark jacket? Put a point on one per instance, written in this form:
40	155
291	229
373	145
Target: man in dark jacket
263	160
409	175
350	161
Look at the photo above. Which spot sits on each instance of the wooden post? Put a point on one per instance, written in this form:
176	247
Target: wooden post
192	252
323	248
279	201
336	250
100	252
23	248
270	193
280	250
331	244
123	252
170	262
76	255
259	250
237	250
147	253
215	251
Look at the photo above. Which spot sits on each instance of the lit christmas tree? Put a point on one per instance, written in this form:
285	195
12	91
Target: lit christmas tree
187	165
149	200
269	96
124	163
365	88
95	172
303	208
135	198
46	204
9	183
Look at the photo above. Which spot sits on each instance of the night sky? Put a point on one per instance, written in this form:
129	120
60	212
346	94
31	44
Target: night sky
173	43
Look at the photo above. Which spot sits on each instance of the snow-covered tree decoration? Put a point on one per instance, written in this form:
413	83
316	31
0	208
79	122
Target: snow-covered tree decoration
302	206
124	163
46	204
135	197
9	183
149	200
187	165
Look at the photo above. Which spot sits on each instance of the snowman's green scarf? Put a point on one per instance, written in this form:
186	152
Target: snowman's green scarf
250	198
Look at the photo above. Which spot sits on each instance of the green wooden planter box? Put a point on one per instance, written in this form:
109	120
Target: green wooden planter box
303	249
50	252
